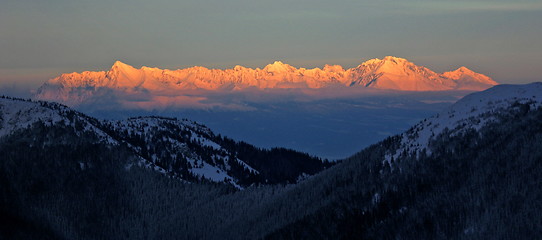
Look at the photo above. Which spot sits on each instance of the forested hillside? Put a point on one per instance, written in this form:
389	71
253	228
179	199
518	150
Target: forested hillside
477	177
179	148
475	185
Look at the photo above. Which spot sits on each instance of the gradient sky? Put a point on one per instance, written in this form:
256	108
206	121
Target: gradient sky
41	39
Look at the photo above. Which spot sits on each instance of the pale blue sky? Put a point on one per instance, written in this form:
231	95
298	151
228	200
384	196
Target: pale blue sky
41	39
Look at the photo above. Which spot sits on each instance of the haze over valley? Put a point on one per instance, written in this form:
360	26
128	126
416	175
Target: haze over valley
328	112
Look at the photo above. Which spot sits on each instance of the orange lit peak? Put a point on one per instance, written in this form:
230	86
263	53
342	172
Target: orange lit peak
387	73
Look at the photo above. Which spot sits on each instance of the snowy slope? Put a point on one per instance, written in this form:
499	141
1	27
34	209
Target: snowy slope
400	74
388	73
18	114
471	112
182	147
179	148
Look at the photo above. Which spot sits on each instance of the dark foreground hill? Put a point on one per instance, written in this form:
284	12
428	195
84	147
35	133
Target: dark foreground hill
471	172
179	148
479	178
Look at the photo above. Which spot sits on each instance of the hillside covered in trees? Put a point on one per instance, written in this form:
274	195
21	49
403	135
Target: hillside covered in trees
472	172
178	148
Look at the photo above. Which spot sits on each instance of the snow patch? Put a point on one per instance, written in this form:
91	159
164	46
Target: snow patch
471	112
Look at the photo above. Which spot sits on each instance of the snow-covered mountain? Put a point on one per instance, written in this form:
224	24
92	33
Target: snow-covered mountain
452	176
469	113
388	73
473	171
179	148
400	74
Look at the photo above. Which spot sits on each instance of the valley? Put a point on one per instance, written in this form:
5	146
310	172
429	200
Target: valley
453	175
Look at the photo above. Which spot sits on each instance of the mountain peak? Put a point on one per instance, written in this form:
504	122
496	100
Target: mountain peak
279	66
387	73
333	68
394	59
124	75
386	61
239	68
464	69
121	65
388	65
122	68
371	62
469	78
392	63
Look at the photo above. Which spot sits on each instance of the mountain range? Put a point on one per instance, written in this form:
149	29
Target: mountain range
387	73
471	171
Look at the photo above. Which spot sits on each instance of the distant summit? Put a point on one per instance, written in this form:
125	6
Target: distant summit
388	73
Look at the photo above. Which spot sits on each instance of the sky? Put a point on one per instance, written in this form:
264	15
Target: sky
42	39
